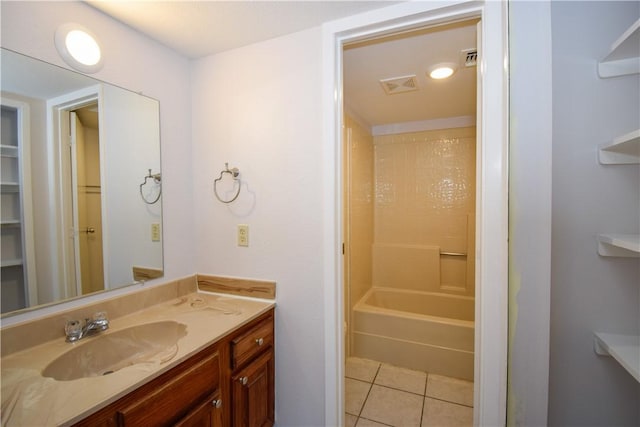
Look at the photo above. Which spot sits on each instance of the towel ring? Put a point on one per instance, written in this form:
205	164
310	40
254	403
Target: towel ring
157	179
235	173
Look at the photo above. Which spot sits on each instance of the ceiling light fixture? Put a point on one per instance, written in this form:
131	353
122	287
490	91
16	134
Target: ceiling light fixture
442	71
78	47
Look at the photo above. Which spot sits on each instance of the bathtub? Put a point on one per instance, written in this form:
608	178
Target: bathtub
426	331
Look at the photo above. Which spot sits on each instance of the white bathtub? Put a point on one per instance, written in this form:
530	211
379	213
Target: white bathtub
427	331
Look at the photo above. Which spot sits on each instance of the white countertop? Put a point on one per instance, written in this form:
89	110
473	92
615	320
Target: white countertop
29	399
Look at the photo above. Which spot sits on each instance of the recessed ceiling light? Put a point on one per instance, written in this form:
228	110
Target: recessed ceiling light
78	47
442	71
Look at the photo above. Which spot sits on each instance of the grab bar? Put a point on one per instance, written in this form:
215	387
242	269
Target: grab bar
453	253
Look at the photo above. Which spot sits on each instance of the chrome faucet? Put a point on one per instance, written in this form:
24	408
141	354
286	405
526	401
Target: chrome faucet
75	330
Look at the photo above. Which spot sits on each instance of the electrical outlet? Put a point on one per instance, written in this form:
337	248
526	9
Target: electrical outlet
155	232
243	235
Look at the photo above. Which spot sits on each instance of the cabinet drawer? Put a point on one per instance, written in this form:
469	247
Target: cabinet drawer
172	399
252	342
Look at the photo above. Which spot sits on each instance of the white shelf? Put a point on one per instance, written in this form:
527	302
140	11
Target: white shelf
10	222
623	57
11	262
9	150
623	348
623	150
619	245
10	187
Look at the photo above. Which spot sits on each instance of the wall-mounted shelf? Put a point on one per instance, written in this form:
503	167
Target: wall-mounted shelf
9	150
619	245
623	150
10	223
623	348
10	187
623	57
11	263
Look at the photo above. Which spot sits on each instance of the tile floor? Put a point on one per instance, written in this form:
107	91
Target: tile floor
377	394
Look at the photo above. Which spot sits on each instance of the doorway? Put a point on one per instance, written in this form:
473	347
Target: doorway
490	347
85	172
77	141
409	170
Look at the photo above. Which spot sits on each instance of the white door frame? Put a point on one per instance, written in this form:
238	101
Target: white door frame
490	386
62	220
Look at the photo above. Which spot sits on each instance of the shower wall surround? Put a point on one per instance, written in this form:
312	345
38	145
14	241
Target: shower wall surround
425	202
359	213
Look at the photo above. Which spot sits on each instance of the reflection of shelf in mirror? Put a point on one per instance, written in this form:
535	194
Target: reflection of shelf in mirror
8	150
624	56
623	348
10	222
10	187
619	245
622	150
11	262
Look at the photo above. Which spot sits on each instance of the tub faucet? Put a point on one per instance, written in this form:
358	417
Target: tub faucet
75	330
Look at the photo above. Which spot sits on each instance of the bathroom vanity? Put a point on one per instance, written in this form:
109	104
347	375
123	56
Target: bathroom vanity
219	372
228	383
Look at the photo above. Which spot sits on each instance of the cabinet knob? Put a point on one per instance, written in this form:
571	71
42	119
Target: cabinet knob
216	403
243	380
259	341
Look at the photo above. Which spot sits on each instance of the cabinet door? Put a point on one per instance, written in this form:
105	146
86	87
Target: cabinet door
253	393
208	414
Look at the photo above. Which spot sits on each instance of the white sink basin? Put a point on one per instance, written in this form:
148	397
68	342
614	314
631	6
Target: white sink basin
110	351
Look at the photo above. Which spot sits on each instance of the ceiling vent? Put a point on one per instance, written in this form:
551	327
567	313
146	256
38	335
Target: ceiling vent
399	84
469	57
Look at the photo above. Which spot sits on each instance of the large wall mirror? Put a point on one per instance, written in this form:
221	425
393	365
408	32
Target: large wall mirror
81	185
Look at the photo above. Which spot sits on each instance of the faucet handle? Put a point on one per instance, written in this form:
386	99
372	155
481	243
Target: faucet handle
73	330
100	315
100	320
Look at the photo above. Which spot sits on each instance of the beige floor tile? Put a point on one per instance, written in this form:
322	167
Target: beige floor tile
361	369
363	422
450	389
402	379
355	393
444	414
350	420
393	407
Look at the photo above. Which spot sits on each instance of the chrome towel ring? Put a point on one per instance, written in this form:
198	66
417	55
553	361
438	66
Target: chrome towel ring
235	173
157	179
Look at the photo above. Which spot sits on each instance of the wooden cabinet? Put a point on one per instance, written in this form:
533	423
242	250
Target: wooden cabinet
252	393
229	383
252	379
181	396
207	414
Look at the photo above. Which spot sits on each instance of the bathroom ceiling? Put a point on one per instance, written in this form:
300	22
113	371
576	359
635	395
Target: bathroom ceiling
197	28
366	63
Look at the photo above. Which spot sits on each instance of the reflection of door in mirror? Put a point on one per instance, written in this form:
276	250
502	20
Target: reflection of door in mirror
85	171
17	276
80	173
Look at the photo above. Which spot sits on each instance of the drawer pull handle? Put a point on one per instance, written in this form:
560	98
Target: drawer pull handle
243	380
216	403
259	341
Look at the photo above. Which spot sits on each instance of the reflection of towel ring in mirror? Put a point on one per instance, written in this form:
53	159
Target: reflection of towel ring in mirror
234	172
157	178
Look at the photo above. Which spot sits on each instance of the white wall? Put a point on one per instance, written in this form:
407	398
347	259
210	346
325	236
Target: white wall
137	63
588	292
529	211
259	108
130	148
